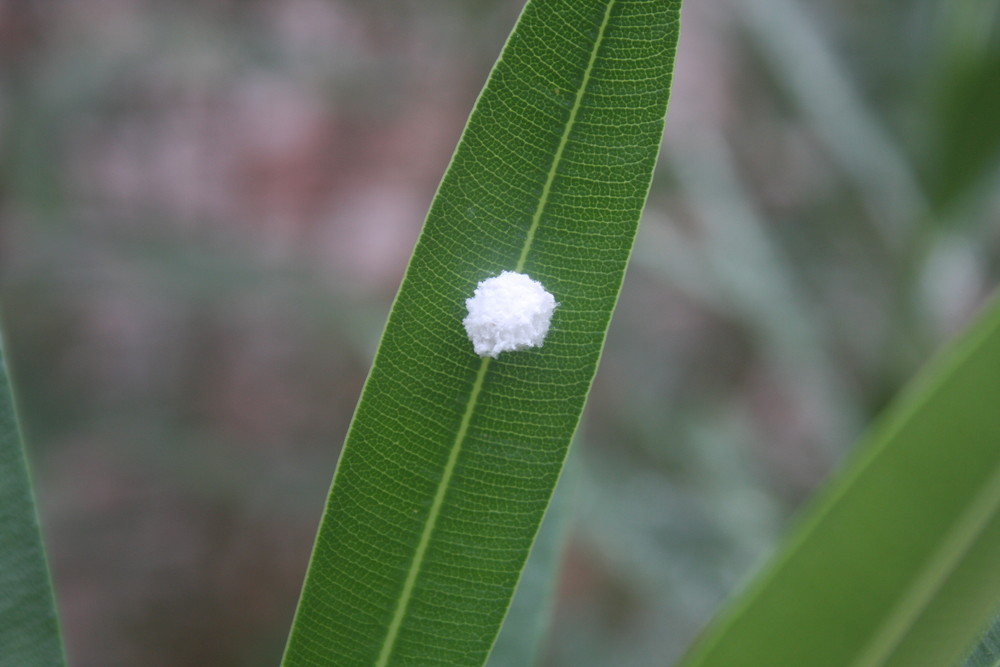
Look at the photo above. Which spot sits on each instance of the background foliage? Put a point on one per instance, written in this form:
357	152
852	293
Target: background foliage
206	209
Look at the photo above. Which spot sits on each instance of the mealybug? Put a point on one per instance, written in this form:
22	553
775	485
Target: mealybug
508	312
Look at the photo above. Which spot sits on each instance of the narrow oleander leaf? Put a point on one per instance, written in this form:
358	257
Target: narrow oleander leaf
895	565
29	628
452	457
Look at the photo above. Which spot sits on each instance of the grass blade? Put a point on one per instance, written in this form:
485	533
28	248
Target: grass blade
451	459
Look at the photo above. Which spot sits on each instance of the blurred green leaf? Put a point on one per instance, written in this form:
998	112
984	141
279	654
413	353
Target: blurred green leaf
451	459
29	628
896	562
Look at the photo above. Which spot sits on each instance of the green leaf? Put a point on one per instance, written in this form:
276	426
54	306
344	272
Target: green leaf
451	458
895	564
29	628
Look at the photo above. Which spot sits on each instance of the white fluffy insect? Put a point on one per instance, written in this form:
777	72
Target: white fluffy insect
508	312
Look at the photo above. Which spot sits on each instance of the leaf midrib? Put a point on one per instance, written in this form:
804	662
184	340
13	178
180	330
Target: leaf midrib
402	604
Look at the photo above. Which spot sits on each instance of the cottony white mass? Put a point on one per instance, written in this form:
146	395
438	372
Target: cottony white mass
508	312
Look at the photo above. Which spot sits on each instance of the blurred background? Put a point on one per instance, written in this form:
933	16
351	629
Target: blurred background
206	208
